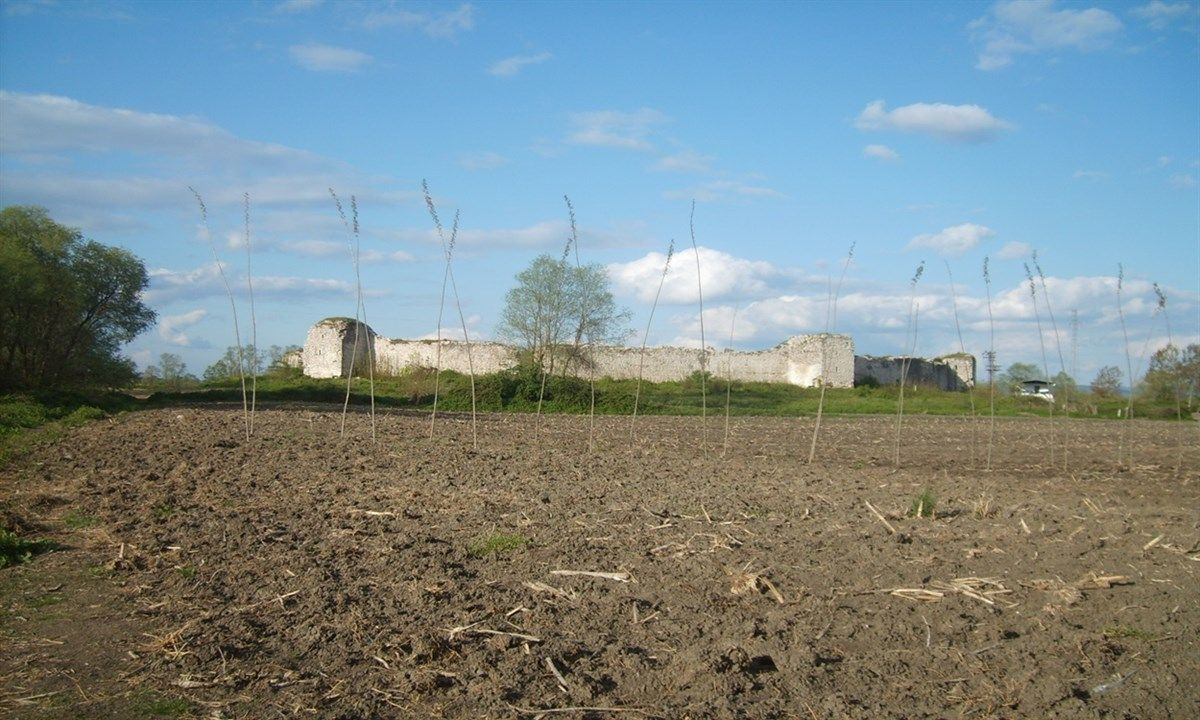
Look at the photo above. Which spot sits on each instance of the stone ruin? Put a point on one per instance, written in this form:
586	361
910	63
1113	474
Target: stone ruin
333	345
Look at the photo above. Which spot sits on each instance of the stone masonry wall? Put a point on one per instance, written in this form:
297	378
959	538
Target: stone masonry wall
797	360
955	372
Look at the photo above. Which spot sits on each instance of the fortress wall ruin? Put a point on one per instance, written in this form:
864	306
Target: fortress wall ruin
953	372
798	360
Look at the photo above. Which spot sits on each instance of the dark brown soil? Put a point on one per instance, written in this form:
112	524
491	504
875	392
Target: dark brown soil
304	575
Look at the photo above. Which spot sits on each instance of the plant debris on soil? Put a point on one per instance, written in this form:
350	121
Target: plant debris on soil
299	574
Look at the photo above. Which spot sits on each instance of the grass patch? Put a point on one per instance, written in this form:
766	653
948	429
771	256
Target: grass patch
15	550
158	707
79	520
1125	632
923	505
497	544
42	601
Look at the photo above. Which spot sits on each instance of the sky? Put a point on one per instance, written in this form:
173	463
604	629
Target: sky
935	133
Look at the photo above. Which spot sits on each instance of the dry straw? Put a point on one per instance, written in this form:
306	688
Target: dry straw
237	335
642	355
906	362
448	250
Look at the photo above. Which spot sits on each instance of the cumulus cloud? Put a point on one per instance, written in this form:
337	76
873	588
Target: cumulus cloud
288	7
1159	14
882	152
718	190
167	286
1019	27
445	25
721	273
512	66
954	240
954	123
327	58
1089	175
685	161
1014	250
614	128
486	160
171	327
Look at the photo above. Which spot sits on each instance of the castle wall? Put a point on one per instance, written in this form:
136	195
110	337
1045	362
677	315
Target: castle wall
798	361
955	372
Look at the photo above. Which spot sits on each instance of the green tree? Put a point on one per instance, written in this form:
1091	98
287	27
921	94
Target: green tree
556	308
1010	380
1107	383
1174	374
226	367
67	305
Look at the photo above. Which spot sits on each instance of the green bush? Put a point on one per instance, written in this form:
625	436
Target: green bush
81	415
15	550
18	413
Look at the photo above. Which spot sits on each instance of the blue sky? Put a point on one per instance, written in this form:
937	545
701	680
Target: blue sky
936	132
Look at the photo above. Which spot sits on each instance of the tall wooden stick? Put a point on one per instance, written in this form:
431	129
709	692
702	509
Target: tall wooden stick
962	348
1042	342
1062	364
729	381
905	362
1128	367
253	319
991	359
237	335
830	324
642	355
703	343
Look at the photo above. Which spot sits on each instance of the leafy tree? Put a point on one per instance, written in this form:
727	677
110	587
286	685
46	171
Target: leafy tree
67	305
1017	373
1107	382
556	308
1174	374
170	373
227	366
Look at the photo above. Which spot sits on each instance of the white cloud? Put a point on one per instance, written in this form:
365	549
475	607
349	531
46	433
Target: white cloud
1018	27
614	128
956	123
685	161
171	327
719	190
883	152
1182	181
954	240
1014	250
722	274
486	160
167	286
327	58
436	25
1089	175
1160	14
297	6
511	66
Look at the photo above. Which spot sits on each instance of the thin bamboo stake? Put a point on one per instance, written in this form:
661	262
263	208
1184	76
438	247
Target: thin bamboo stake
1042	342
906	361
448	249
830	324
584	308
1162	305
962	348
987	283
1129	367
237	335
1062	364
253	319
729	382
553	328
703	343
642	356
